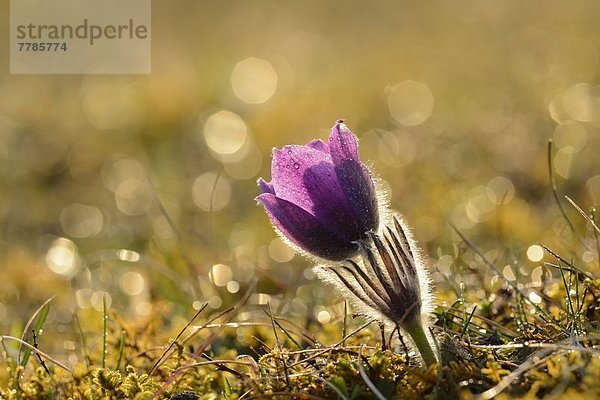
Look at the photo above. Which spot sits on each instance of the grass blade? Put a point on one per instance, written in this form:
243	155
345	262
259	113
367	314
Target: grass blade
104	336
466	323
82	338
198	353
38	351
278	343
555	191
587	218
580	273
121	349
542	312
344	326
286	333
43	314
227	387
331	386
162	356
26	329
366	379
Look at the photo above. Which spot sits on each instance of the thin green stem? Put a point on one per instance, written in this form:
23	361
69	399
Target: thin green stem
416	332
105	335
121	349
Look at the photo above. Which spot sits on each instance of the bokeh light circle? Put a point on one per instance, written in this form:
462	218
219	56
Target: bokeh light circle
132	283
570	136
211	192
500	190
254	80
225	132
221	274
410	102
81	221
535	253
62	257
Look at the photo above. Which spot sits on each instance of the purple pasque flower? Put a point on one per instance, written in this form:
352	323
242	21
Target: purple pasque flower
321	196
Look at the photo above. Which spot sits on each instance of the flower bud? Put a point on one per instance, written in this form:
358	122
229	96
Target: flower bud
322	197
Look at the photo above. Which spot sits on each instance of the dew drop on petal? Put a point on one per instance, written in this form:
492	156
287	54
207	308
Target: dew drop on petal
296	165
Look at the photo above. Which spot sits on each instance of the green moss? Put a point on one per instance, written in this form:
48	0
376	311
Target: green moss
470	362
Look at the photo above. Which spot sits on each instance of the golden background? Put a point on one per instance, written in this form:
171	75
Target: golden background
141	188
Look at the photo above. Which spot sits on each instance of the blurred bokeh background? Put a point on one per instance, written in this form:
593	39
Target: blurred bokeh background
141	188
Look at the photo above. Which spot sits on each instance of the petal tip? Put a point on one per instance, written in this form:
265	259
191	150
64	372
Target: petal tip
340	125
265	187
263	198
343	143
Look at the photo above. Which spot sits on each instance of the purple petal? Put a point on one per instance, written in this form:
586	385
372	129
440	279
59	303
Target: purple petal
354	177
342	143
265	187
320	145
305	230
290	167
307	178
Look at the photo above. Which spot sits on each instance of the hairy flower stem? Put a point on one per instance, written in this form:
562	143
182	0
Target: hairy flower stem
416	332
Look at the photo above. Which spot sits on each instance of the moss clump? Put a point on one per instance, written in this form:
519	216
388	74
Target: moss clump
538	361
